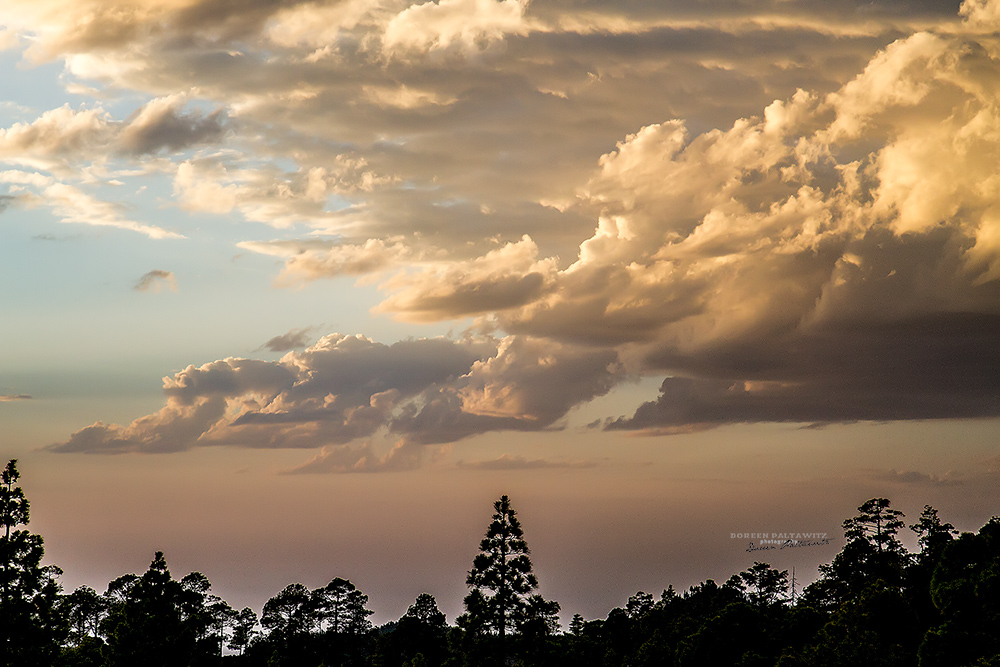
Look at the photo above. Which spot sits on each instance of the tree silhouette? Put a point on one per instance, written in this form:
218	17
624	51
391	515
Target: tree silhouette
83	609
147	626
288	614
762	584
421	634
340	608
873	553
877	523
502	568
933	536
966	591
243	625
538	623
30	623
639	605
874	605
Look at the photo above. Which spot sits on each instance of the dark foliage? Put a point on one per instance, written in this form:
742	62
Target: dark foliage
874	605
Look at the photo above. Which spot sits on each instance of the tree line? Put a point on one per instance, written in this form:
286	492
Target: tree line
875	604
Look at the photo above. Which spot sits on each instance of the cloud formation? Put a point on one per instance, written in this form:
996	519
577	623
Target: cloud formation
288	341
362	458
789	210
348	388
831	260
155	281
469	24
10	398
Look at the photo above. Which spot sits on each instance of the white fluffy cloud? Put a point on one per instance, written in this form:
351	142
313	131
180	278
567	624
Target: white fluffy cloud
71	150
468	24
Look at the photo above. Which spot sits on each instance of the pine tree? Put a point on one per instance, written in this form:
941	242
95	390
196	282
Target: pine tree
340	608
421	632
244	626
876	523
30	625
502	568
933	535
147	623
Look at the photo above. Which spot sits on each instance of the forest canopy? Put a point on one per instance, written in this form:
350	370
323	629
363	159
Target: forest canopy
875	604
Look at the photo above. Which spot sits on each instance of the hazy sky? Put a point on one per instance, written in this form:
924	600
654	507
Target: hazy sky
295	290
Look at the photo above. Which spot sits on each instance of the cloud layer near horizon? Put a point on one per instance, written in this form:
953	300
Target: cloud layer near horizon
788	210
347	388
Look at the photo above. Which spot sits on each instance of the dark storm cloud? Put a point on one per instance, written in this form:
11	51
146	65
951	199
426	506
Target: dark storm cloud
941	366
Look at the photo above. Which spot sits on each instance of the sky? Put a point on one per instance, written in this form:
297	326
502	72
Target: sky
295	290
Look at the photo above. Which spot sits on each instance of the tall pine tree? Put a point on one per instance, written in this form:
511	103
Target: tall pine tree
30	626
503	570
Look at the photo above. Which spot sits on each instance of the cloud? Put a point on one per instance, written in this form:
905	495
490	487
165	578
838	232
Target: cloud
833	259
155	281
435	141
507	277
72	150
348	388
270	195
319	25
9	398
58	133
981	13
346	458
161	124
537	380
288	341
8	39
789	209
74	205
312	260
63	136
468	24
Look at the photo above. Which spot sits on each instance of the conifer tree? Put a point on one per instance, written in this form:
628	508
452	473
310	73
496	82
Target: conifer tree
503	569
30	625
933	535
339	607
877	523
